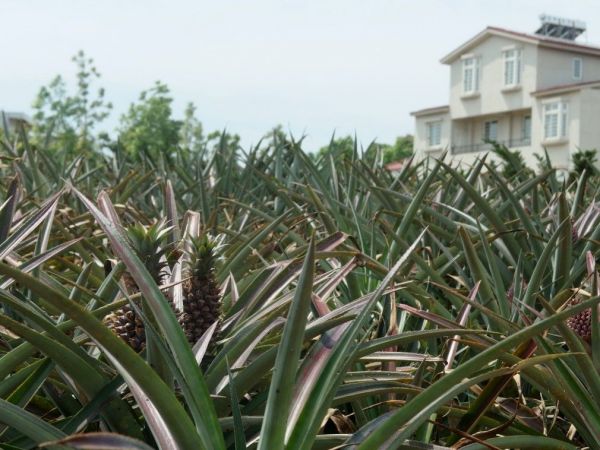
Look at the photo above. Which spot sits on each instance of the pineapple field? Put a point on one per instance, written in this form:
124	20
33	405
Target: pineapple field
273	299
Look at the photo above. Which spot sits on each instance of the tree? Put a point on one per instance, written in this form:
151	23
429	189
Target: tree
402	148
513	164
224	140
148	128
584	160
191	133
339	148
67	122
344	147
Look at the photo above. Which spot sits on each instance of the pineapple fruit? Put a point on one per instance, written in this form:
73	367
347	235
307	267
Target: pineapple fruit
147	242
581	323
201	294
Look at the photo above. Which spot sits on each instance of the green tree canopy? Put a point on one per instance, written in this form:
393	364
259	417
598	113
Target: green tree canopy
191	133
400	149
148	127
68	120
343	147
584	160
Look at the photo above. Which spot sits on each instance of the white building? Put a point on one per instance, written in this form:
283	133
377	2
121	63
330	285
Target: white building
527	91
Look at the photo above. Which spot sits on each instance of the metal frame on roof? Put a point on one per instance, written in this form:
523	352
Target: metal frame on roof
561	28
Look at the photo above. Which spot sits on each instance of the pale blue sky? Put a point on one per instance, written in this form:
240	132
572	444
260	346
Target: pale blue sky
312	66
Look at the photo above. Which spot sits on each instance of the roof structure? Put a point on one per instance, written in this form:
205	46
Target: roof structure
536	39
562	88
395	166
16	116
430	111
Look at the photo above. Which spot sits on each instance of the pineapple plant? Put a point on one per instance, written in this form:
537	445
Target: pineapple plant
148	243
201	294
384	384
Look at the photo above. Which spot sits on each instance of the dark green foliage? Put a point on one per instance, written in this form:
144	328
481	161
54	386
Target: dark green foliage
402	148
343	148
513	164
585	160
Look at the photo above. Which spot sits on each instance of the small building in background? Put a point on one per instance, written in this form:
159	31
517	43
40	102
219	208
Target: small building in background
529	92
12	121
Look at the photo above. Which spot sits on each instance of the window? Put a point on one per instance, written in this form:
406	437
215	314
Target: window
577	68
490	130
555	120
470	75
526	131
512	67
434	133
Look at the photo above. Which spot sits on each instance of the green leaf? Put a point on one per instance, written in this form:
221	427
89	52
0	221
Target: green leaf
238	426
28	424
9	207
99	441
284	372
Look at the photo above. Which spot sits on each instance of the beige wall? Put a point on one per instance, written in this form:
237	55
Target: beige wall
589	120
421	147
492	99
468	159
471	130
517	119
463	132
555	68
559	150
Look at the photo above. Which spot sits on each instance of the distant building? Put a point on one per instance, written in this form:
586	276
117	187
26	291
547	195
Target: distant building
526	91
12	120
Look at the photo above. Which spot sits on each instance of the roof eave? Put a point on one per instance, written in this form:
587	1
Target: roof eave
481	36
431	111
454	54
570	48
567	89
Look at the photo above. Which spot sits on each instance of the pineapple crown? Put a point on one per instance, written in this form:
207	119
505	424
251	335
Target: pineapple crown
148	242
203	252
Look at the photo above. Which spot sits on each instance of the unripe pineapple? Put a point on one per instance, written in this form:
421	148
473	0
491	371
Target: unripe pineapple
126	324
201	294
146	242
581	323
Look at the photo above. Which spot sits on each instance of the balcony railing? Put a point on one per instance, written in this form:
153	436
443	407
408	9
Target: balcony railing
486	147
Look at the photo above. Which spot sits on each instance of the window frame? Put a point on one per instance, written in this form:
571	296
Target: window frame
560	110
526	128
573	71
516	56
429	133
485	130
470	62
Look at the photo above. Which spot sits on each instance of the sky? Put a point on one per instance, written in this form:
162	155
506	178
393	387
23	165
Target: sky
315	67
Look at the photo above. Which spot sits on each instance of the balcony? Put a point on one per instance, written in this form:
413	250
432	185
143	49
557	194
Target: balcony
487	147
